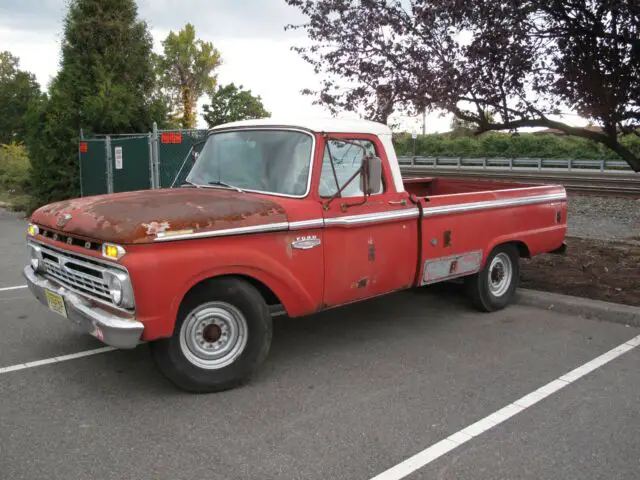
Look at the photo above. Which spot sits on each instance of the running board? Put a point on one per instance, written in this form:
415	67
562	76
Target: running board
277	310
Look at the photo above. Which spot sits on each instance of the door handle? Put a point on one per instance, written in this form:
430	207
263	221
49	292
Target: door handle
398	202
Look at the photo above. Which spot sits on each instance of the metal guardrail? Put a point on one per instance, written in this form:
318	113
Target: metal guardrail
618	166
587	181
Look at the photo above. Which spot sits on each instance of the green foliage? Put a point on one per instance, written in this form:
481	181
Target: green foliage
14	168
18	90
464	128
106	84
231	104
188	65
508	146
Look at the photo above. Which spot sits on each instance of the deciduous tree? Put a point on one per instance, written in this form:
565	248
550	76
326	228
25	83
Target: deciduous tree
231	103
188	65
524	61
18	90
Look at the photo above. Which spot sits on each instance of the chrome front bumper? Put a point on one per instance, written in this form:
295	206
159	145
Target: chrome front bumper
119	332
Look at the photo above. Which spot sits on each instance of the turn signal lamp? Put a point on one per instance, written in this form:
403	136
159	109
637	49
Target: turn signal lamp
114	252
33	230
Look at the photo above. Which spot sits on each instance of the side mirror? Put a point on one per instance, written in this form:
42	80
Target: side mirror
371	178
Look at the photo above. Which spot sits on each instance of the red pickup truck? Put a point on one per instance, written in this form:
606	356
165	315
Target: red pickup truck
277	218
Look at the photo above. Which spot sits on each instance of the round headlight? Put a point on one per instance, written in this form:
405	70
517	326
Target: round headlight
115	289
120	289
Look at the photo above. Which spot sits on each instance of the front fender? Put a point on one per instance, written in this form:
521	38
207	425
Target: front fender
165	273
295	298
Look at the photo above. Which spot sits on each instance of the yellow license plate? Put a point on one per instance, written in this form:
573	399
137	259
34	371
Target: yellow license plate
56	303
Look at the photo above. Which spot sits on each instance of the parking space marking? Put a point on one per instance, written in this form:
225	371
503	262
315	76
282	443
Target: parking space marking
8	289
62	358
428	455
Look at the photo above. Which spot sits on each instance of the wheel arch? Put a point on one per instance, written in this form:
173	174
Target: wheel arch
523	248
287	292
265	291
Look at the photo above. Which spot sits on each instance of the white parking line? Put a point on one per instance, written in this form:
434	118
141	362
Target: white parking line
428	455
49	361
8	289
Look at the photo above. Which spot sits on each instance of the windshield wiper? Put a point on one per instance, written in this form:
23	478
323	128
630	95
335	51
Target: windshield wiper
223	184
187	182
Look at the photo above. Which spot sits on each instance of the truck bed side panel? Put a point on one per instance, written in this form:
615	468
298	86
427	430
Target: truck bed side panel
466	227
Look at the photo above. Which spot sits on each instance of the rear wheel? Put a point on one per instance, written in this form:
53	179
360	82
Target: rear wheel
494	286
223	334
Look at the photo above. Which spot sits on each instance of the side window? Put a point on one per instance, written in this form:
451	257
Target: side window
347	159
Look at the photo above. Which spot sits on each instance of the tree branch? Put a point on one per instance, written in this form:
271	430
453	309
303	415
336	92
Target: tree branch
612	143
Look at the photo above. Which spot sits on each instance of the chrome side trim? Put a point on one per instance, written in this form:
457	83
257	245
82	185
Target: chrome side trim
372	218
273	227
305	224
489	204
366	218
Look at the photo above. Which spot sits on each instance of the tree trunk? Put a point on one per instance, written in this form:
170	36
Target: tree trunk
188	109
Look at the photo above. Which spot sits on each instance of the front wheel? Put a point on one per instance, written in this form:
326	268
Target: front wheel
223	333
494	286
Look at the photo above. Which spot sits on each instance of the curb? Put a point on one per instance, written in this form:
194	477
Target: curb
583	307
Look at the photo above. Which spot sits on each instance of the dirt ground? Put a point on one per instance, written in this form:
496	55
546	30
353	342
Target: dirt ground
600	270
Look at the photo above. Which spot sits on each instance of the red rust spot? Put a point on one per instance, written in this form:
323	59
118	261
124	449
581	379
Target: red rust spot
135	217
453	268
372	250
362	283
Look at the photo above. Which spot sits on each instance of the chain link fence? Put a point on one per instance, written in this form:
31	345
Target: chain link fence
122	163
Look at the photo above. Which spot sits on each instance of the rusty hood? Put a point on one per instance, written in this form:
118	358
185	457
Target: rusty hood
137	217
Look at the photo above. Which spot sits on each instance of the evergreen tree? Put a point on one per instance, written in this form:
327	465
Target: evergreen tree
106	84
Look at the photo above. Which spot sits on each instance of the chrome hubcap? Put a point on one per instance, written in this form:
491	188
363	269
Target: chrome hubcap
214	335
500	274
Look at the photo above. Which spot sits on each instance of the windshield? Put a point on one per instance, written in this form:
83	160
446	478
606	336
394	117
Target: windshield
272	161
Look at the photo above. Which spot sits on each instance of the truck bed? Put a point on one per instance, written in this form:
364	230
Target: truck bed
463	220
437	186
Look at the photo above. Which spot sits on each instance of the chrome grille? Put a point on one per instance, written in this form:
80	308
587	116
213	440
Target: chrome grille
76	273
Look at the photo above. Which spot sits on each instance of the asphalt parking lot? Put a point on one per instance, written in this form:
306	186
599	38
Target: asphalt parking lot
348	394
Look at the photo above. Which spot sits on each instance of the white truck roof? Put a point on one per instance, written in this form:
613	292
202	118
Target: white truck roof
318	125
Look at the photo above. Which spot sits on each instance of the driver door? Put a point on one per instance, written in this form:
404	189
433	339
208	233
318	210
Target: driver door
370	243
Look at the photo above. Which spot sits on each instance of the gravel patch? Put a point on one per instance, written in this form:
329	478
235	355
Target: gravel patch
604	218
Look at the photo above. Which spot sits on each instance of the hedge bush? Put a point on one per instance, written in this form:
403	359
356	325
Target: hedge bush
508	146
14	169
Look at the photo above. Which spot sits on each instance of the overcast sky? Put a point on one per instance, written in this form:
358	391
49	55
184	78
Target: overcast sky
249	33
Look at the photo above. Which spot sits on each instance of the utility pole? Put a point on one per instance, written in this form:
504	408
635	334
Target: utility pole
424	121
